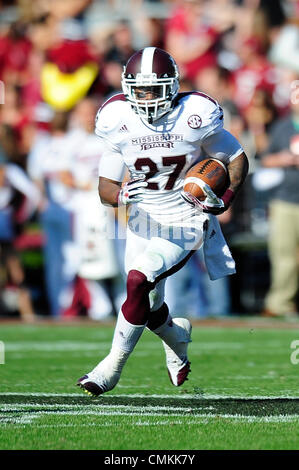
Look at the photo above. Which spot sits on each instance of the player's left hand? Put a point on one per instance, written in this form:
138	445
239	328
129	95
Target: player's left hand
214	208
212	203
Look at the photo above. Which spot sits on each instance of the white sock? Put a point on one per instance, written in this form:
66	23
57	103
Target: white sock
174	336
126	335
124	340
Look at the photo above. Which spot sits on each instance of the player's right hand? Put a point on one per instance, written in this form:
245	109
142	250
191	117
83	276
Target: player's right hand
132	191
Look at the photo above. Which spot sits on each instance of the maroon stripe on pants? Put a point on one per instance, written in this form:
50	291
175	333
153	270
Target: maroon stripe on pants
175	268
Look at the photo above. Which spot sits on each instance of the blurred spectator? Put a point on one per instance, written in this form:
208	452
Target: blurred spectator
70	69
50	166
43	32
283	155
255	72
111	78
259	116
216	81
190	39
152	29
15	123
121	47
67	8
53	54
15	187
286	40
14	50
117	50
98	268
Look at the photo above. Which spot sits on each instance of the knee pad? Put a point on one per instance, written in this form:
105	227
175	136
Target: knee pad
136	307
137	283
156	299
156	296
150	264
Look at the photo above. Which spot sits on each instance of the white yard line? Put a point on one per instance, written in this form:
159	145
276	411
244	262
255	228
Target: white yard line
138	412
162	396
96	409
21	414
15	346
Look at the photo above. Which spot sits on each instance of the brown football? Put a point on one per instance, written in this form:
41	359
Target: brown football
211	171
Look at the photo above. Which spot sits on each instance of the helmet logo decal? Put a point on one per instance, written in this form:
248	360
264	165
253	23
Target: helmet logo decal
194	121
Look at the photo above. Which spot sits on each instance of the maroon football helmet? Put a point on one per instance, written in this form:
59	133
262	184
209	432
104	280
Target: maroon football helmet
150	82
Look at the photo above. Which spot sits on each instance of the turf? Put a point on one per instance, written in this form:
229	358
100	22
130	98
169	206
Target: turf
242	393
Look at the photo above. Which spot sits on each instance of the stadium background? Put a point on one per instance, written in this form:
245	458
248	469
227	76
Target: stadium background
249	67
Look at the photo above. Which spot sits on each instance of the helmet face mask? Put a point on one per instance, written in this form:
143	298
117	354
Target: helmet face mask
150	82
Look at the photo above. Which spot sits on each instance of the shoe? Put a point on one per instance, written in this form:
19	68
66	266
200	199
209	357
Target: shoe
177	362
266	313
100	380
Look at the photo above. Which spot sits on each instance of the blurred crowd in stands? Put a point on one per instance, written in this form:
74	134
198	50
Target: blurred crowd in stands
59	61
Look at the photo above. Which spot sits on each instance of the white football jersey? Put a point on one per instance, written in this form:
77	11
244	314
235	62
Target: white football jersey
86	160
164	150
48	158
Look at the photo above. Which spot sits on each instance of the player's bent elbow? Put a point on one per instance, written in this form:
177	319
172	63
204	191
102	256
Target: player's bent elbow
108	191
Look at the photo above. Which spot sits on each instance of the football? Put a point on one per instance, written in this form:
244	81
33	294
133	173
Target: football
210	171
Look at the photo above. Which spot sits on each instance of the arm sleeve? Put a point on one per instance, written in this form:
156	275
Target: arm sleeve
223	146
112	164
20	181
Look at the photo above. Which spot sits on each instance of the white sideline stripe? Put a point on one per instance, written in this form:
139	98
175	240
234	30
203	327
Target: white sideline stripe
100	409
33	411
201	417
80	346
160	423
57	346
96	409
162	396
21	421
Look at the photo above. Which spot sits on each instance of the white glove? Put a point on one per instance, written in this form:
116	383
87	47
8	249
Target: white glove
212	203
132	191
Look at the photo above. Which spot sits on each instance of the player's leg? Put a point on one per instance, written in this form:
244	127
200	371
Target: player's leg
283	246
175	334
156	259
130	324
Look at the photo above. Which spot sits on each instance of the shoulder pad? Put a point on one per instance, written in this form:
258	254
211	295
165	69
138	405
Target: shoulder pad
109	114
207	111
112	99
201	101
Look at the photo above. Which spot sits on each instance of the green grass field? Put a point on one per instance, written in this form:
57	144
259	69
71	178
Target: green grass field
242	393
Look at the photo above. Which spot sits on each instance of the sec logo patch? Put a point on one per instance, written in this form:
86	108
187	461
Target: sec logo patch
194	121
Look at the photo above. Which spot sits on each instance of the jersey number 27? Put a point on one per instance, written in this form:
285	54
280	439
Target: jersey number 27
150	169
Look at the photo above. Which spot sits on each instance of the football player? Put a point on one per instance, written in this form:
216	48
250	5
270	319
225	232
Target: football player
157	134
